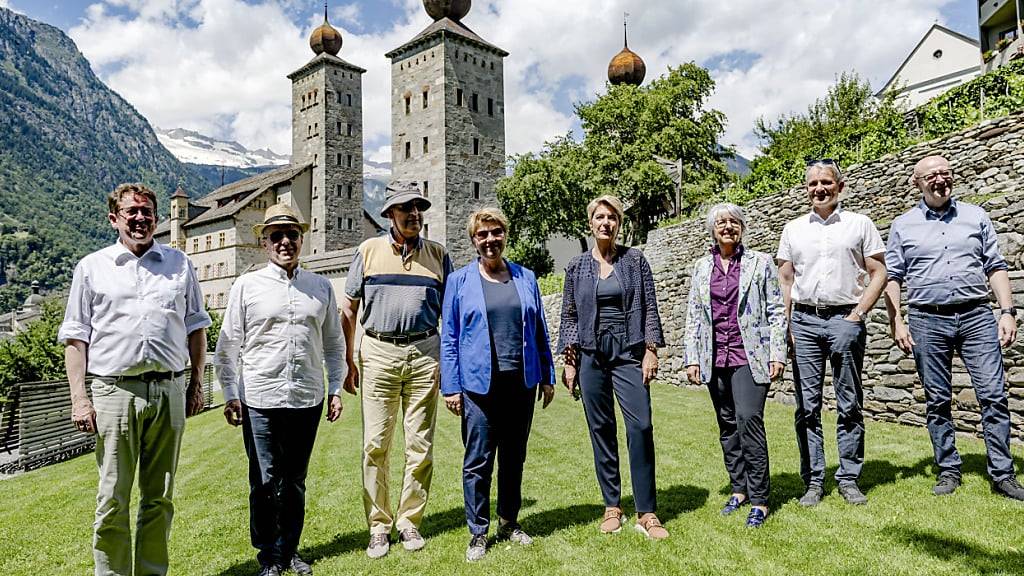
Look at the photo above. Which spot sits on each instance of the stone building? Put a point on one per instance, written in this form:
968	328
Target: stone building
448	121
324	183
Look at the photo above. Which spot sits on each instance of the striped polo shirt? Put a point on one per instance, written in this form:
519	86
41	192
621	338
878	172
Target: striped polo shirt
401	293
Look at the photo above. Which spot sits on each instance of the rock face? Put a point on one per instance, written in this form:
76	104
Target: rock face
989	171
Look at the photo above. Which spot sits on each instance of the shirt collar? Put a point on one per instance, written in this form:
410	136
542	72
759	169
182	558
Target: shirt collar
404	248
736	254
834	216
277	272
156	250
928	211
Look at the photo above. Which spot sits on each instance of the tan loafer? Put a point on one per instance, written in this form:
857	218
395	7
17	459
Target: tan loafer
650	526
612	522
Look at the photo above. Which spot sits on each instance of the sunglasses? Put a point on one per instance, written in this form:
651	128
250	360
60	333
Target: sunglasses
278	235
408	206
822	162
497	233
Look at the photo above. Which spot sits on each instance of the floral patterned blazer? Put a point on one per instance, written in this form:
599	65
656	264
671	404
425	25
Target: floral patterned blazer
761	316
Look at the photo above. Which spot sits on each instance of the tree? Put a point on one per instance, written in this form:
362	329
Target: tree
34	354
848	125
213	331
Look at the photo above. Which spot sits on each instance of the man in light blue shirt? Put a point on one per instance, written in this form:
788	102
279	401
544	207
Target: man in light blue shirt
946	252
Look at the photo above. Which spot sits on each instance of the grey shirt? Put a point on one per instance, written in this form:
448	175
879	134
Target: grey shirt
943	258
505	320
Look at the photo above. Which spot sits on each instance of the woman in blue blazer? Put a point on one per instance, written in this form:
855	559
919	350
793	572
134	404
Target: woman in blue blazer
494	354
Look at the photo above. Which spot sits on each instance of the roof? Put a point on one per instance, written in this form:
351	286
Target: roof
194	210
333	261
249	188
444	27
324	57
935	27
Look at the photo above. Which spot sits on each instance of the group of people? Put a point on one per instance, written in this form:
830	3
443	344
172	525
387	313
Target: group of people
478	338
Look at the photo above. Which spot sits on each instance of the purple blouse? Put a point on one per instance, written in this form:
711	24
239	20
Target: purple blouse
725	299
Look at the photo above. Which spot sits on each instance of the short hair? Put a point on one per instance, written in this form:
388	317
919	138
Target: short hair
832	166
608	200
485	215
114	199
730	209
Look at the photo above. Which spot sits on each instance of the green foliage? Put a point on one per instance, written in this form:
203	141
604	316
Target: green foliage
624	131
551	284
848	125
533	255
213	332
34	354
1001	91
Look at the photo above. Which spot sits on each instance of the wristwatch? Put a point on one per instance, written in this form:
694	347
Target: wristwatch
860	315
1011	311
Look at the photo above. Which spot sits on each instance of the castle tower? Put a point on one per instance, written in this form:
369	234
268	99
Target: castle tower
626	67
179	216
327	131
448	121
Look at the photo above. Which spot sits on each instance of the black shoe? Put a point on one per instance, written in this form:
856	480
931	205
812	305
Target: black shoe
946	484
299	566
733	505
269	570
852	494
1010	488
756	518
813	495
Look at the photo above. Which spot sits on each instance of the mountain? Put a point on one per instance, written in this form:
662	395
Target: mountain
66	141
738	165
194	148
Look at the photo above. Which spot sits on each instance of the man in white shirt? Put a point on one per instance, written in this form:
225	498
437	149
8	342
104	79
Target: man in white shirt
134	321
832	271
281	327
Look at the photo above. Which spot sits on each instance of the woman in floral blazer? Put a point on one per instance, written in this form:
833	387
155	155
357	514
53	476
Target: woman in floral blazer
735	343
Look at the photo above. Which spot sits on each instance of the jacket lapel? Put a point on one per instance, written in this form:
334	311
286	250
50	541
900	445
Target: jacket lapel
703	278
748	264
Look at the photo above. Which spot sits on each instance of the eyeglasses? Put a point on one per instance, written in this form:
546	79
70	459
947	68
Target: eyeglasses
931	177
497	233
727	222
278	235
134	211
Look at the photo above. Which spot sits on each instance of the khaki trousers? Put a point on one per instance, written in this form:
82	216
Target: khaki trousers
394	378
139	427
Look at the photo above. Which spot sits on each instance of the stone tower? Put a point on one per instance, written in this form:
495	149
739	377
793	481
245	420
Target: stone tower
327	131
179	216
448	121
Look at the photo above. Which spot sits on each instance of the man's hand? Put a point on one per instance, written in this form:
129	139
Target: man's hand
333	407
775	370
569	377
901	334
649	366
351	377
233	412
454	403
83	415
194	402
693	374
547	392
1007	330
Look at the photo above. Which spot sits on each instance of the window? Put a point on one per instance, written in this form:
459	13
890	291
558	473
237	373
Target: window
220	269
209	242
348	161
206	271
476	146
476	190
426	189
408	150
408	104
490	106
221	239
425	98
349	224
314	225
339	125
337	189
426	145
338	159
220	300
474	103
937	54
348	191
426	230
458	97
348	99
340	224
195	245
339	97
206	300
348	129
316	158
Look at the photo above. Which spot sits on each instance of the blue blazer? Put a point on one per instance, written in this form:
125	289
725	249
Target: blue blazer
465	335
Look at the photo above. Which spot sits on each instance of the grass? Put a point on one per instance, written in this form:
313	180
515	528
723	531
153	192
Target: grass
46	515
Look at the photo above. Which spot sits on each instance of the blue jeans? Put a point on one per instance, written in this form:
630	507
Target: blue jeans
842	343
974	336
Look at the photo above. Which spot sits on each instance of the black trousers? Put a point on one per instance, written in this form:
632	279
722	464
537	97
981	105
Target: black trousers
495	426
614	371
278	442
739	406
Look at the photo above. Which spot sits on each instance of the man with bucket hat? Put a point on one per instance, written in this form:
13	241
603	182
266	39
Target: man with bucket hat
399	278
280	329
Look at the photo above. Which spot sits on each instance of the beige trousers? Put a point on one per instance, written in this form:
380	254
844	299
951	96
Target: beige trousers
139	427
398	379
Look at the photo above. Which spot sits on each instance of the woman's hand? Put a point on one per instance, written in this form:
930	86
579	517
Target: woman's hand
650	366
454	403
693	374
775	370
547	393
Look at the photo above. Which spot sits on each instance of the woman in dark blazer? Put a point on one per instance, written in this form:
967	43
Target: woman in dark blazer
495	359
609	336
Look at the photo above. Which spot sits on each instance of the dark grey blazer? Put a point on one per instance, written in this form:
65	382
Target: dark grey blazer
579	301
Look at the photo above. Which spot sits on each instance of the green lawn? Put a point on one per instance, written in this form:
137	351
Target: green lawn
46	515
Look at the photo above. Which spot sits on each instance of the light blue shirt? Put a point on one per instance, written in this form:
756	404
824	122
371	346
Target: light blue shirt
943	258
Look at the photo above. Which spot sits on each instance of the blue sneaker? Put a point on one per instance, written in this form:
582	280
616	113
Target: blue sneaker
733	505
756	518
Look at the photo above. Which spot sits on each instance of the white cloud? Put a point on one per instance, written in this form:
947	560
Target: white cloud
5	4
219	66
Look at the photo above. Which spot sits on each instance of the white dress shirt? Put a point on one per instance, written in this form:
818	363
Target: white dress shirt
828	256
135	313
277	335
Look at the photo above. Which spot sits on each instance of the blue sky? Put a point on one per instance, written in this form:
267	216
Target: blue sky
218	66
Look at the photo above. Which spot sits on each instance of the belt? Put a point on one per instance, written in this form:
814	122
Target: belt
950	309
401	339
151	376
824	311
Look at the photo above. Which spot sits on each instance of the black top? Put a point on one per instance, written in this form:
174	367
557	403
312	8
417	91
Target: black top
505	320
609	302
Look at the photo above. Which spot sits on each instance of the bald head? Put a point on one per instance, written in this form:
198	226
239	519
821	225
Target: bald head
934	178
930	164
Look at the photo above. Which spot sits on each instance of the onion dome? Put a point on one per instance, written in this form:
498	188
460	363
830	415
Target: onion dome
325	38
451	9
626	67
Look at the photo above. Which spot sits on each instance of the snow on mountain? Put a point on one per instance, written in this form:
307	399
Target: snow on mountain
194	148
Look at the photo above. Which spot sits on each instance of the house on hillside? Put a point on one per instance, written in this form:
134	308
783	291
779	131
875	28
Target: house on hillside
1001	30
942	60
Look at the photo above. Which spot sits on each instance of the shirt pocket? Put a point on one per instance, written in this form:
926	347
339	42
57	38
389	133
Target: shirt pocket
171	298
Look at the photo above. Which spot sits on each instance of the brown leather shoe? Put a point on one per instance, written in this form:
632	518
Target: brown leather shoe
612	522
649	525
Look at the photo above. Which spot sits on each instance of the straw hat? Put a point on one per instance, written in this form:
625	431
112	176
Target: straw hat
280	215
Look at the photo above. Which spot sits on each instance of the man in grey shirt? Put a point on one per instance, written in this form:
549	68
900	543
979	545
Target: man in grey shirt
945	250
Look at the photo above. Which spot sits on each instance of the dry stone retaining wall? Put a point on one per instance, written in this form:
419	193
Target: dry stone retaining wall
988	162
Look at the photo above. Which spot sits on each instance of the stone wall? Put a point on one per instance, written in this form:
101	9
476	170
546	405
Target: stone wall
988	162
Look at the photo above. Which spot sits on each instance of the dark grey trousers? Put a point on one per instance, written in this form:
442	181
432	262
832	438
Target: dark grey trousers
739	406
614	371
841	343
